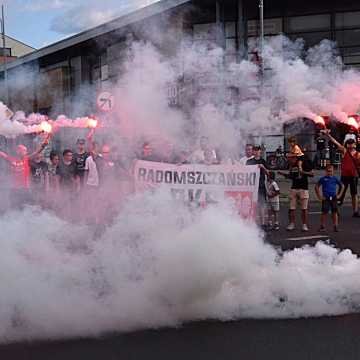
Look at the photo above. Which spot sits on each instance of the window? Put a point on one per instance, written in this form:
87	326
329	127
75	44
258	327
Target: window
312	38
348	19
271	27
308	23
348	37
5	52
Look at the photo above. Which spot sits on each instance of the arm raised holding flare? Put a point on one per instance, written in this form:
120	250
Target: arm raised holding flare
22	150
334	141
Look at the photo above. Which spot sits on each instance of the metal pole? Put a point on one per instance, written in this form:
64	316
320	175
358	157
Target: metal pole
4	55
261	6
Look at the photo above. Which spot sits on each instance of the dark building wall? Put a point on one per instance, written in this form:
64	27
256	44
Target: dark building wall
79	72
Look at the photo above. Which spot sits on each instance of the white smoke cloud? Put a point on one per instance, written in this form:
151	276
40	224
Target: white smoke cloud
158	265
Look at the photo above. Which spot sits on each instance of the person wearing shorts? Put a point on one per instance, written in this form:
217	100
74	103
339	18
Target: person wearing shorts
331	190
350	165
299	192
273	202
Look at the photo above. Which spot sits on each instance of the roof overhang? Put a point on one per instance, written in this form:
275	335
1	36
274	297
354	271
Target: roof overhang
118	23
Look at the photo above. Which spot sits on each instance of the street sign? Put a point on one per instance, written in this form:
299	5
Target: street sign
105	101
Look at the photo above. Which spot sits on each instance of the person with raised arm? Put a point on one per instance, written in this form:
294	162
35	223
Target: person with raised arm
350	165
21	171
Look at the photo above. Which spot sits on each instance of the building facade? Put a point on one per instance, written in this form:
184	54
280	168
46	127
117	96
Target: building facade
54	77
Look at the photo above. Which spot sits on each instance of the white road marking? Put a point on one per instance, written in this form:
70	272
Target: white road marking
313	237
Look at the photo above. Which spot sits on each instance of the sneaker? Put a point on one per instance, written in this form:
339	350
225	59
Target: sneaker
356	215
304	228
290	227
276	227
336	229
322	228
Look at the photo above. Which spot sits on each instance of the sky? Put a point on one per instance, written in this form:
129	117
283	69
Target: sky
39	23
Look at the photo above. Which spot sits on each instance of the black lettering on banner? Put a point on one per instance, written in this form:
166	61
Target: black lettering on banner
231	179
253	177
240	179
206	180
168	177
159	176
178	194
150	176
221	179
191	177
194	197
141	174
250	179
179	180
198	178
213	178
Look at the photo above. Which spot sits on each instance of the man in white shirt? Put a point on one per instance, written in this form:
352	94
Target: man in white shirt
91	193
249	154
199	156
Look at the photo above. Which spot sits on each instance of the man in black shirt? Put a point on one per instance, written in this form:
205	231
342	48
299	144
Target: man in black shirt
258	160
79	159
299	191
68	172
38	178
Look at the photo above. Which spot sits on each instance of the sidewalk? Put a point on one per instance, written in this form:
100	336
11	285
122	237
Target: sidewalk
285	185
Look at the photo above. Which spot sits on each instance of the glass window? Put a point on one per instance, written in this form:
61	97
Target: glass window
352	59
271	27
347	19
308	23
311	39
5	52
348	37
230	29
205	31
230	46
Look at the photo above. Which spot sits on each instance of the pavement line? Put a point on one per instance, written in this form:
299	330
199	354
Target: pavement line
313	237
315	212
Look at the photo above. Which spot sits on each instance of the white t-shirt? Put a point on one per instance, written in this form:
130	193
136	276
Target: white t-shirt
349	136
93	174
244	159
271	189
198	156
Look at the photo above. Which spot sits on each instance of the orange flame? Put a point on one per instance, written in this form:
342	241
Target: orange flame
46	127
319	120
351	121
92	123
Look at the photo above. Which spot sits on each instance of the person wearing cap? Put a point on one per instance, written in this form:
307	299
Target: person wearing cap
300	170
350	166
79	158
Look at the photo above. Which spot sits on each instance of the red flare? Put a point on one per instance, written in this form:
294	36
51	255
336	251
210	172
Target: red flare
351	121
319	120
92	123
46	127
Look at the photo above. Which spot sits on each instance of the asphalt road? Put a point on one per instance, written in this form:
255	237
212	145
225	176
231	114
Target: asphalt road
347	238
328	338
305	339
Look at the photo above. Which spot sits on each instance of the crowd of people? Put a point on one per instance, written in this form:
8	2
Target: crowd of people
330	190
77	183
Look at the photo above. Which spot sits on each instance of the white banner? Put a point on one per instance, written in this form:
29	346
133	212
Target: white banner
202	184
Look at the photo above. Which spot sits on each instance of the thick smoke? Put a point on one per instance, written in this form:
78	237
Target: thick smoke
160	263
150	269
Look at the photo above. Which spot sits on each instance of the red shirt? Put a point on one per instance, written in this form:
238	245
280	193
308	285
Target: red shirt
20	171
348	167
